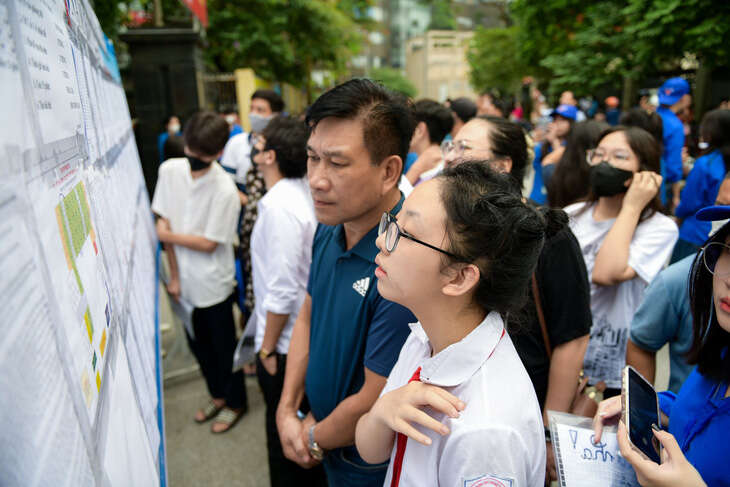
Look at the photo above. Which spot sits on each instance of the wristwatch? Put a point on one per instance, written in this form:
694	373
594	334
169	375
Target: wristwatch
314	449
264	354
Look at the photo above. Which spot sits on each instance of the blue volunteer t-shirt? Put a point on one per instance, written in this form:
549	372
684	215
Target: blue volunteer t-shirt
352	325
703	184
699	419
673	141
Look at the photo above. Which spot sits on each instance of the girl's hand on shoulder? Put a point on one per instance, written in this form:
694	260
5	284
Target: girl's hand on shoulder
402	407
643	188
674	471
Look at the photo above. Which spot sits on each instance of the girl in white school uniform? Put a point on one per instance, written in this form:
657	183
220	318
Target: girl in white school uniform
458	408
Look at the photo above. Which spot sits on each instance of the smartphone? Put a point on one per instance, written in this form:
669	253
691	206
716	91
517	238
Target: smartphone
640	408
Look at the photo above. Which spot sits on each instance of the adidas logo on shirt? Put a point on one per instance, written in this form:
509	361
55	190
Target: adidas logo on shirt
361	286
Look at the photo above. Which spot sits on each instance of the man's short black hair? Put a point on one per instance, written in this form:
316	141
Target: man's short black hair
464	108
437	118
206	133
276	103
386	116
287	137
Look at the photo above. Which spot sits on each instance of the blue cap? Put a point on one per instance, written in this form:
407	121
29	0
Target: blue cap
566	111
713	213
672	90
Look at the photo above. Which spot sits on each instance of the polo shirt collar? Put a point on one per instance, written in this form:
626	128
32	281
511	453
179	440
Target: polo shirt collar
459	361
365	248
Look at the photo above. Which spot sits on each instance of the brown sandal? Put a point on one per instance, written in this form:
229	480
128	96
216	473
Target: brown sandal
210	411
229	417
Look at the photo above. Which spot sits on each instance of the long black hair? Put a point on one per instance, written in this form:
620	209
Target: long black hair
709	340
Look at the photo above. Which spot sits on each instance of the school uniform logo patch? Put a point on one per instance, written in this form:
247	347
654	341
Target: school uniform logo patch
488	481
361	286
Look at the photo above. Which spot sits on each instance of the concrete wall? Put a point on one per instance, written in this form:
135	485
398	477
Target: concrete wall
436	64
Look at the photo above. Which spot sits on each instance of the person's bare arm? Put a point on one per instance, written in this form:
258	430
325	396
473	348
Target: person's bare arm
565	365
612	261
338	429
195	242
289	425
642	360
173	285
275	323
425	162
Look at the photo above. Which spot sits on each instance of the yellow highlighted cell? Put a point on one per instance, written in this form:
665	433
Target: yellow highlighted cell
89	326
102	343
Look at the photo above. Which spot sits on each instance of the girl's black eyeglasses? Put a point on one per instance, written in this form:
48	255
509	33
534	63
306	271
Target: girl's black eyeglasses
393	233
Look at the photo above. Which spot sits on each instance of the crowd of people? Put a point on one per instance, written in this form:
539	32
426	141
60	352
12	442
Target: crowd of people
422	282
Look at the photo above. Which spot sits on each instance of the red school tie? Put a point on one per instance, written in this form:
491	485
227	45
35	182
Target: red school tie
400	443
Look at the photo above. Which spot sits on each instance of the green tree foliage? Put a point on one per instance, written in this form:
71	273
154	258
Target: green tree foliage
282	40
581	45
545	27
600	51
663	30
393	79
495	61
442	17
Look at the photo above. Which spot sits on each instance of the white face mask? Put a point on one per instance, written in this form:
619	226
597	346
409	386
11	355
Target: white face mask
258	122
174	128
717	225
231	119
703	145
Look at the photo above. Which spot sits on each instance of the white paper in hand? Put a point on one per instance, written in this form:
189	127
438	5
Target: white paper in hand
580	461
244	353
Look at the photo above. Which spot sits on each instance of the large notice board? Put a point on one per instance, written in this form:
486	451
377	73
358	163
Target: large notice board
80	389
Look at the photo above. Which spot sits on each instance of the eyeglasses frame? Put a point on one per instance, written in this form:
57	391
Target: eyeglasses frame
391	220
704	258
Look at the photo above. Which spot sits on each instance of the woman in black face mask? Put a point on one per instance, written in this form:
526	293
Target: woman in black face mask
625	242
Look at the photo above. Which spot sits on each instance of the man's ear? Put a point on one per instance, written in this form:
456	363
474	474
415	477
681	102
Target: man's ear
462	279
392	170
270	157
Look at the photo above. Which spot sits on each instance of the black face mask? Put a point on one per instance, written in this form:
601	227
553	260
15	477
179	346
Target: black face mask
254	152
607	180
198	164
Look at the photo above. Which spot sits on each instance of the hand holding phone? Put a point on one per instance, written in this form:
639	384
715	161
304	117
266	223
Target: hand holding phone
640	410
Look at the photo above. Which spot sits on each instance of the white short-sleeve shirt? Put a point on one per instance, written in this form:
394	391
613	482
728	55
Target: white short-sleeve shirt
207	206
498	439
613	307
281	253
236	158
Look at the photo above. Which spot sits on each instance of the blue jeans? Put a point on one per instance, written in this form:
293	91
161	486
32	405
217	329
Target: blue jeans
344	467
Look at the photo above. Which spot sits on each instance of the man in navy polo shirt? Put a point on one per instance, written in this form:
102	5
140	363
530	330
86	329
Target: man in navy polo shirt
347	337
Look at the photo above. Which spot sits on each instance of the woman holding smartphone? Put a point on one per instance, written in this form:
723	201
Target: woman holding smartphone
697	420
458	407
